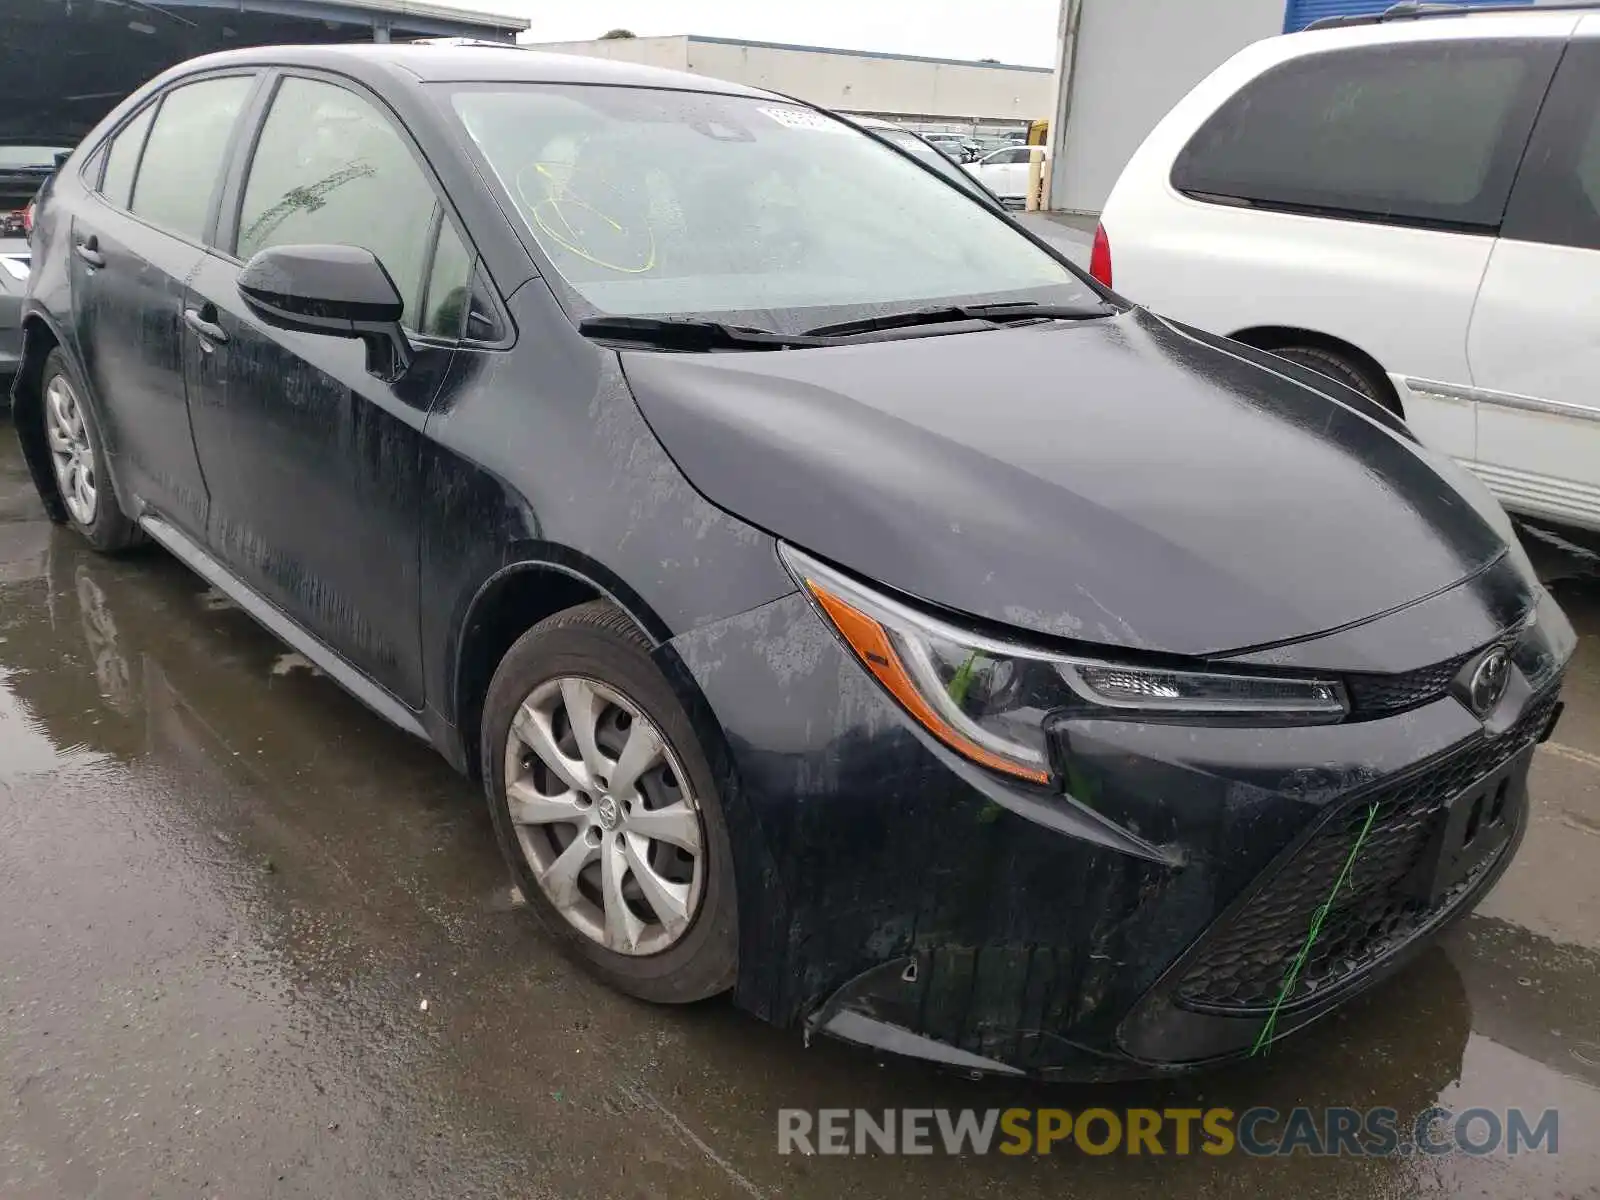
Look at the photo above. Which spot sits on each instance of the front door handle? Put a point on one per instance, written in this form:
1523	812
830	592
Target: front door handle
89	251
204	322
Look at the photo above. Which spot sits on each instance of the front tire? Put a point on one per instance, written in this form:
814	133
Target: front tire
78	457
606	809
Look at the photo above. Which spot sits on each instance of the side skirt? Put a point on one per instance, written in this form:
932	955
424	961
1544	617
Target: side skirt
280	626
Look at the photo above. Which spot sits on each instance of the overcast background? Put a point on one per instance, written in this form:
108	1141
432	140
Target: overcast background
1014	31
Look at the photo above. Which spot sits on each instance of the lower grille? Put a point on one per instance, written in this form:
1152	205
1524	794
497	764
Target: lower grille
1244	966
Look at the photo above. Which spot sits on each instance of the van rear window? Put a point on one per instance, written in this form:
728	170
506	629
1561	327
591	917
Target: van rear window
1419	133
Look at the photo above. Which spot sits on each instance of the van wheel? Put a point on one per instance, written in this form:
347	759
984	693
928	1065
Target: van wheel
1337	366
606	809
77	453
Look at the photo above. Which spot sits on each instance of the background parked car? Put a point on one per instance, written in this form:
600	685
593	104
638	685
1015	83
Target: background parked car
23	171
989	143
1351	198
915	144
959	147
1005	171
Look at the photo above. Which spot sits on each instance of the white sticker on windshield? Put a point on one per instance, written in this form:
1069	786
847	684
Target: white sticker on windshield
801	118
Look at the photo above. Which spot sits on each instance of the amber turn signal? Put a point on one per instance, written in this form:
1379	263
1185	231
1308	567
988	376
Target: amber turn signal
875	648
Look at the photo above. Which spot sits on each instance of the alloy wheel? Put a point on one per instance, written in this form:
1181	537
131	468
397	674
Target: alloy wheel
71	450
605	815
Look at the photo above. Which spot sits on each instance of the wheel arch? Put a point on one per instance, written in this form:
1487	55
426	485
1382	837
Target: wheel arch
1273	337
537	584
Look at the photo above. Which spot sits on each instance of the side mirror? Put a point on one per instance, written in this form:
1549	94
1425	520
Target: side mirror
339	291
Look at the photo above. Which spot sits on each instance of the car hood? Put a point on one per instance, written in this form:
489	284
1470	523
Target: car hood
1113	481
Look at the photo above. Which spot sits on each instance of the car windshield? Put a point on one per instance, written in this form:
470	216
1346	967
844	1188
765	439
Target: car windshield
672	203
928	153
909	141
935	157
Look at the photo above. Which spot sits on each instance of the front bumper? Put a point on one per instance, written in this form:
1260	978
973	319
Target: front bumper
894	894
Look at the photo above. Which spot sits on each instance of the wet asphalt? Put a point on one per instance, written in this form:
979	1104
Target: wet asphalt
255	943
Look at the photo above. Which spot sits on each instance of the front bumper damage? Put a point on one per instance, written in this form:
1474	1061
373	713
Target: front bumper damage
896	896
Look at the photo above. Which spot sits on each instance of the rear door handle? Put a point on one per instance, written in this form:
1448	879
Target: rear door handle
89	251
203	321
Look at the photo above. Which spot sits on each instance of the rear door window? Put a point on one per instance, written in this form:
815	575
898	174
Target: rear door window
1418	133
122	160
183	156
331	169
1557	197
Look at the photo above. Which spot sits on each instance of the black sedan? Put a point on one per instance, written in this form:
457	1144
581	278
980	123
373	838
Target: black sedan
841	600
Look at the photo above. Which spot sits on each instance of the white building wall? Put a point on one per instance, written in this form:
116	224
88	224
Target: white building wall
1135	59
669	52
874	84
863	83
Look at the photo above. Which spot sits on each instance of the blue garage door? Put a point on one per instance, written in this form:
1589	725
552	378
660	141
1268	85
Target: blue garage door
1301	13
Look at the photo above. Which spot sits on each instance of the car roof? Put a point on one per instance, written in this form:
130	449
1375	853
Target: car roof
435	63
1426	10
1465	25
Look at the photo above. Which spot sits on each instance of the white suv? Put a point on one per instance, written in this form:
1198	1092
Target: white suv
1411	205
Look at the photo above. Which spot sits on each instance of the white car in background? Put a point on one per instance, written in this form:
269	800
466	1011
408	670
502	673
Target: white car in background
1005	171
918	146
1410	204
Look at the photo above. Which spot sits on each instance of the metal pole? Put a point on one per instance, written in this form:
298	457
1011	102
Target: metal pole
1061	103
1036	182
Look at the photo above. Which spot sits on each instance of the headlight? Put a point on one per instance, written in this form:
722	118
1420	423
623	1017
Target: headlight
988	699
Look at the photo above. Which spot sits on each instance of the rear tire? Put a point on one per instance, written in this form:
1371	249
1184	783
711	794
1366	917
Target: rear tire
77	454
1342	368
676	938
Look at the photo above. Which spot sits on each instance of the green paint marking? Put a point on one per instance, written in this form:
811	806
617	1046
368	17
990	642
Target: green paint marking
1264	1038
962	679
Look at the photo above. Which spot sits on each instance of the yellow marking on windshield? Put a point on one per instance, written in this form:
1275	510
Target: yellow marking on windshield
553	208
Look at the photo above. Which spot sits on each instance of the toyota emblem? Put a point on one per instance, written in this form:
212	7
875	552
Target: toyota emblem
1489	681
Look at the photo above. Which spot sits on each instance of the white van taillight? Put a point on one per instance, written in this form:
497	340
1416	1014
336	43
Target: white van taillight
1100	256
27	219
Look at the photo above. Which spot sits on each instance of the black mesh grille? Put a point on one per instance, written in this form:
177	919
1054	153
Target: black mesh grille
1244	967
1379	695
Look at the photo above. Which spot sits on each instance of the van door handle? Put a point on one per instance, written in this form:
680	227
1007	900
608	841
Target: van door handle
204	322
89	251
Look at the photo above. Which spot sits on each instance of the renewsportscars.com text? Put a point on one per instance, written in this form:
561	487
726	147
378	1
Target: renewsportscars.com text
1258	1132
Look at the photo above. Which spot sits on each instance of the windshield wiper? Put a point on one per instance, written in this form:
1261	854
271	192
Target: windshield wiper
694	334
685	333
944	314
